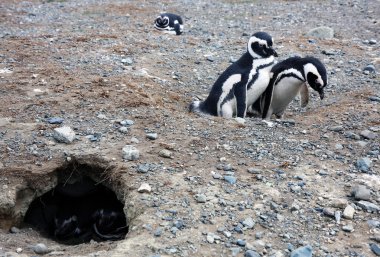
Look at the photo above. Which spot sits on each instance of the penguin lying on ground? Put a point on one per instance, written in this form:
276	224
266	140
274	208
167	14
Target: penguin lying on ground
291	77
169	23
242	83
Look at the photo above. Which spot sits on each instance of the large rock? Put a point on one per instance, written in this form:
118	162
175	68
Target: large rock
130	153
64	135
322	32
371	207
361	192
304	251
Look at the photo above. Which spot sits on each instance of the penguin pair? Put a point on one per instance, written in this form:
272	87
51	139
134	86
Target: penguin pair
169	23
243	82
289	78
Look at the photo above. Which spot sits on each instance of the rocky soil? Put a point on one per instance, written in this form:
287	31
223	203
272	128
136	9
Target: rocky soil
217	187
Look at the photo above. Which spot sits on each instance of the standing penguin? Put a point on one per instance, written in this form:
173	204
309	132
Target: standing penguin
242	83
170	23
291	77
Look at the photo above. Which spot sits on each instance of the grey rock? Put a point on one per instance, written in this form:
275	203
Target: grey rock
40	249
352	135
14	230
55	120
152	136
251	253
211	237
304	251
64	135
127	61
200	198
361	192
370	68
363	164
372	42
241	242
210	58
373	223
348	228
338	215
123	130
130	153
127	122
322	32
235	251
248	223
349	212
143	168
158	232
230	179
371	207
228	234
254	171
165	153
374	98
337	128
368	134
375	249
329	212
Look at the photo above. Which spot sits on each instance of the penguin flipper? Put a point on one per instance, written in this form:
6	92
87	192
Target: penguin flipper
304	93
177	28
266	100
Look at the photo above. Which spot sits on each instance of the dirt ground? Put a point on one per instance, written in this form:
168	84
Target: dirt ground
97	63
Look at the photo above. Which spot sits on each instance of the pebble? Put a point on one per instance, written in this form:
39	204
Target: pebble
228	234
211	237
369	68
372	42
127	61
373	223
144	188
339	203
349	212
375	248
363	164
368	134
143	168
304	251
19	250
230	179
101	116
152	136
254	171
40	249
336	128
248	222
64	135
374	98
235	251
130	153
371	207
123	130
200	198
337	215
329	212
165	153
361	192
348	228
14	230
241	242
127	122
55	120
210	58
322	32
158	232
251	253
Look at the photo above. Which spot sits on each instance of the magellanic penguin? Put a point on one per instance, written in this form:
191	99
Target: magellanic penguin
291	77
242	83
169	23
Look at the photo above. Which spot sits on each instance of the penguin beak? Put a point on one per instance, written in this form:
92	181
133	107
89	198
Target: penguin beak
271	51
274	53
321	94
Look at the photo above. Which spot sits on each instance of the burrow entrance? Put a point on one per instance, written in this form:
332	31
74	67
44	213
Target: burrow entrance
76	203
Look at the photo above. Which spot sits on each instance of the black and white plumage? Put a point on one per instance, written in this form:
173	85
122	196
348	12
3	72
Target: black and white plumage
169	23
242	83
291	77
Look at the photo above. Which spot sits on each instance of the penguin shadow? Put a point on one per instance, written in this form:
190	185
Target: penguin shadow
78	213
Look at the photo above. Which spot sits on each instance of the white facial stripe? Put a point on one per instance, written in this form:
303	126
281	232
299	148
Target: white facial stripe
289	71
252	40
226	89
311	68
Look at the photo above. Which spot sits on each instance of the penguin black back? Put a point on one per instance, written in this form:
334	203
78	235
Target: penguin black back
170	23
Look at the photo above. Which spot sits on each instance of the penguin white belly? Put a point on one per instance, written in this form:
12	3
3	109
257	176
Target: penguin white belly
259	86
227	107
284	93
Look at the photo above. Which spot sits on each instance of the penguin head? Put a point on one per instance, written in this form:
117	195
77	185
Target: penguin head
316	75
161	21
260	45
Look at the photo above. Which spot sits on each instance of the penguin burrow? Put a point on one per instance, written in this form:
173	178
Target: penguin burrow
169	23
77	212
242	83
291	77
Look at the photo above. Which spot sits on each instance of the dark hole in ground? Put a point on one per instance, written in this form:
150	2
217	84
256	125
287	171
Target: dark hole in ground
78	212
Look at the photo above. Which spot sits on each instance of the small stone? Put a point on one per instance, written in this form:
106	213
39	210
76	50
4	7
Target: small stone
374	98
143	168
304	251
361	192
348	228
130	153
248	223
254	171
64	135
228	234
134	140
368	206
210	58
372	42
127	61
127	122
152	136
14	230
337	215
200	198
251	253
19	250
144	188
375	248
55	120
370	68
101	116
363	164
336	128
40	249
329	212
174	230
339	203
240	120
210	238
322	32
234	251
373	223
368	134
230	179
241	242
349	212
323	172
123	130
158	232
295	188
165	153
